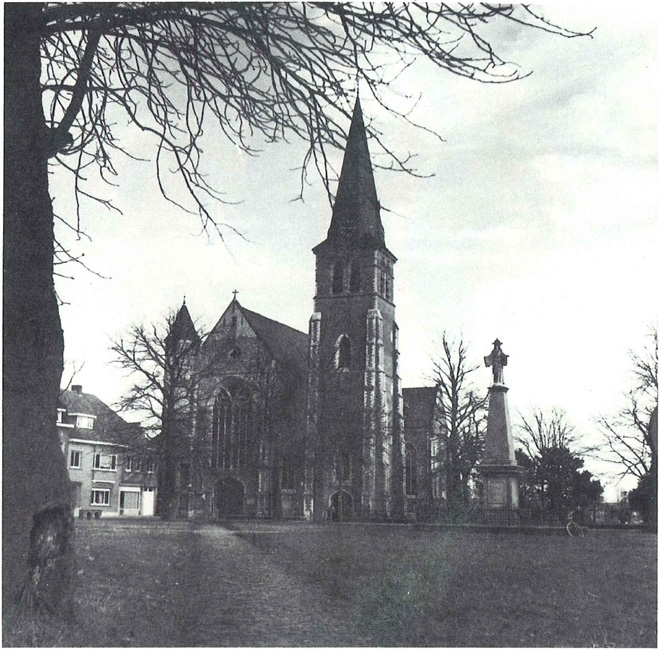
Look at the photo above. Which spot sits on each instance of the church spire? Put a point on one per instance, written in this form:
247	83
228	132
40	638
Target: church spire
356	214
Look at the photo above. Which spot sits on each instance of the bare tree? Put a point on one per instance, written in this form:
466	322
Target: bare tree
630	436
628	441
553	457
260	72
542	431
165	392
463	411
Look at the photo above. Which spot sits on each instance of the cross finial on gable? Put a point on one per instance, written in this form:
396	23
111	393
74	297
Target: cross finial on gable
235	293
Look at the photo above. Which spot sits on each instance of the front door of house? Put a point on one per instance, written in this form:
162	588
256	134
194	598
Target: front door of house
148	502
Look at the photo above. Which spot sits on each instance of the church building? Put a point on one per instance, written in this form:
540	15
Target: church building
313	426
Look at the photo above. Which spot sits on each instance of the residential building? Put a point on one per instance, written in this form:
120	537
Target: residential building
111	471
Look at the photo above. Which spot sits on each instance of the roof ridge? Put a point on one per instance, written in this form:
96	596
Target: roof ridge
272	320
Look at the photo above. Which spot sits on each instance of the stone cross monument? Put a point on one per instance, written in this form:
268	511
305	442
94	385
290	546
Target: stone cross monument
499	470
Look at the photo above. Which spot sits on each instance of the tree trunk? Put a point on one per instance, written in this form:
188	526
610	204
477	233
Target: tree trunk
36	490
167	483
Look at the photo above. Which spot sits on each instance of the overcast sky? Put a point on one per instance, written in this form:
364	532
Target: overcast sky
538	227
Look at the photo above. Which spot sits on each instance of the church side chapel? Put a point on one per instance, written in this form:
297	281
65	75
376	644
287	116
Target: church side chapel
313	426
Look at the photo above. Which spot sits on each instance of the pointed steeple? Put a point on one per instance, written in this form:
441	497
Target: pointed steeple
356	214
183	328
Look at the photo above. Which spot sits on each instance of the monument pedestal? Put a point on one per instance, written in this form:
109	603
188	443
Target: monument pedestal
500	485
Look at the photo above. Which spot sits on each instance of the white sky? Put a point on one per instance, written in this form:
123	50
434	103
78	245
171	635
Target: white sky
538	227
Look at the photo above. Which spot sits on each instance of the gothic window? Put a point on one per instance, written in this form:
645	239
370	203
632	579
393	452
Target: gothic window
410	470
344	466
434	454
287	474
241	412
346	461
343	353
185	476
337	277
383	282
389	287
231	420
355	280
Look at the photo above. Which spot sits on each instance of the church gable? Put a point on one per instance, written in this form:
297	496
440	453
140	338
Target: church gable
269	356
233	346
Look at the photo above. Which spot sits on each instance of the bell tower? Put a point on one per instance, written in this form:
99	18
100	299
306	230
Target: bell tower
355	402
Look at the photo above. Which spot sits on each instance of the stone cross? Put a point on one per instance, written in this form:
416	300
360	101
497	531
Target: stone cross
497	359
235	293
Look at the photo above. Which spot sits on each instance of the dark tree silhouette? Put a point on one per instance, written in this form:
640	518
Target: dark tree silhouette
261	72
552	456
630	436
463	410
167	383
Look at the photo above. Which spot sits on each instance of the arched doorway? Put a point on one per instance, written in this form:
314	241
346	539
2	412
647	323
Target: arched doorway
340	507
229	497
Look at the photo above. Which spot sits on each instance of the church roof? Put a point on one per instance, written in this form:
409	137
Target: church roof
108	425
283	342
356	215
183	328
419	406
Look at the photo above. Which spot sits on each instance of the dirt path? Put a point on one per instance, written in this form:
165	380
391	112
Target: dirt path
225	592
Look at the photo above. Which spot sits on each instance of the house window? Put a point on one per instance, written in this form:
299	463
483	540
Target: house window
74	459
150	466
85	422
129	500
60	416
128	464
410	470
343	353
355	280
337	277
136	464
100	498
232	415
105	461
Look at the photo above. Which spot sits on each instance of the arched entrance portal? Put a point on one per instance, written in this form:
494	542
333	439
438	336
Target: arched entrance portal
229	497
340	506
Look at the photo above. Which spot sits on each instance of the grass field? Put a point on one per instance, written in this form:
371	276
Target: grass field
462	588
393	585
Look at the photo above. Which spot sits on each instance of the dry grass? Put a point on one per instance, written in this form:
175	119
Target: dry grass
123	583
395	585
459	588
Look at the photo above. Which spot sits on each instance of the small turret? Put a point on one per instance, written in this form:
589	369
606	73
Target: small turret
183	328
